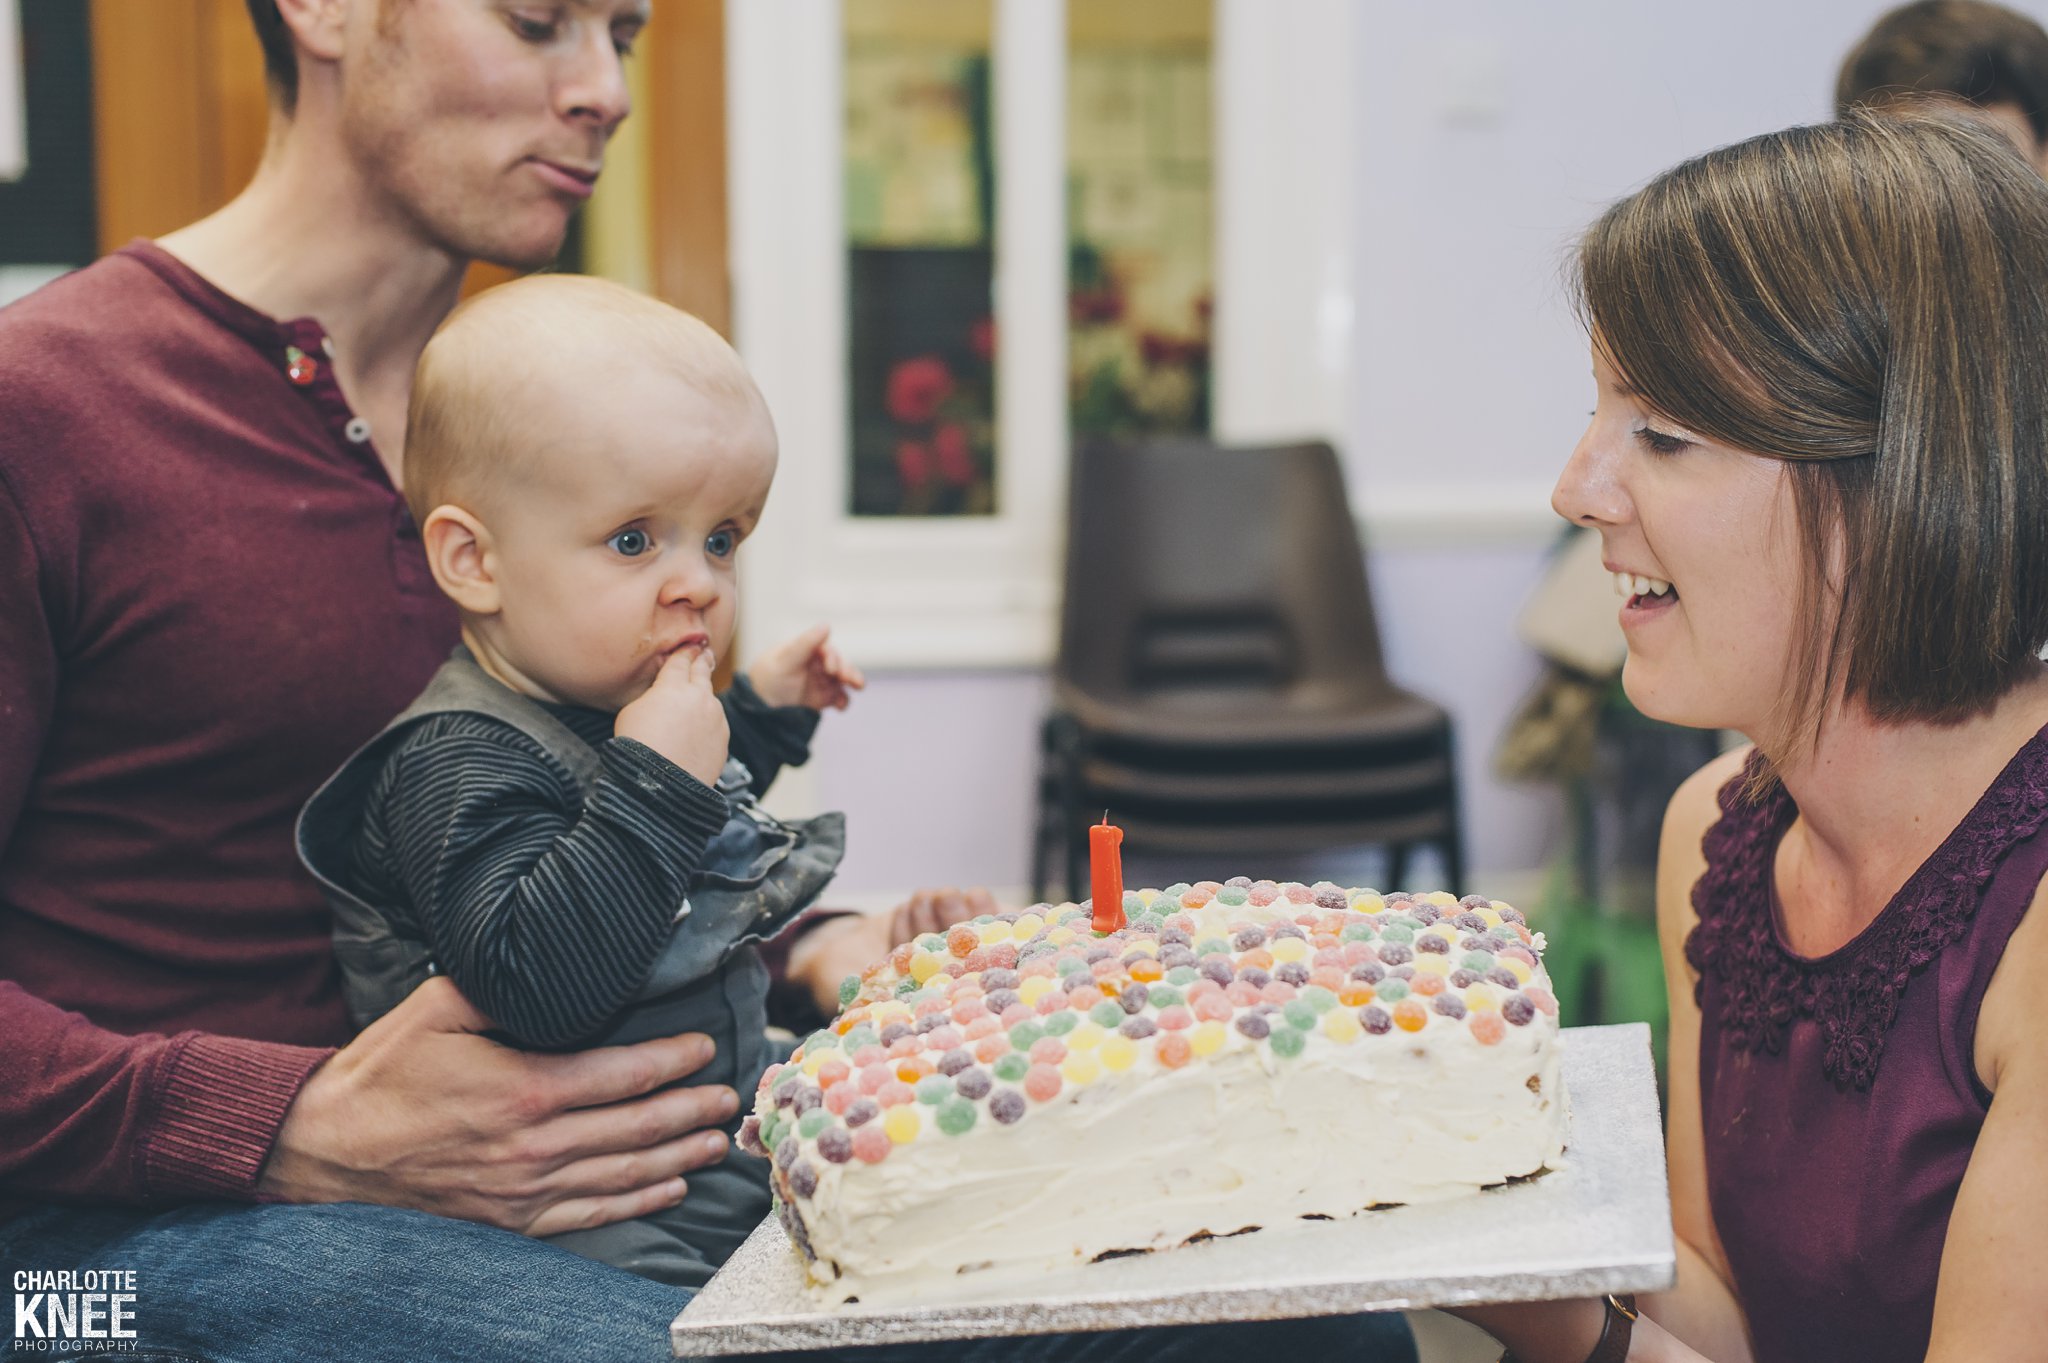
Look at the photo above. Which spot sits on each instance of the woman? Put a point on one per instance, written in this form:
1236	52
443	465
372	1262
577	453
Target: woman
1821	452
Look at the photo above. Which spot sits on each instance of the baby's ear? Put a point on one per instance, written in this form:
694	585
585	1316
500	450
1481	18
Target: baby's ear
459	553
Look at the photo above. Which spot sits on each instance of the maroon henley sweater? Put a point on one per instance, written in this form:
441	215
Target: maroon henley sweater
210	594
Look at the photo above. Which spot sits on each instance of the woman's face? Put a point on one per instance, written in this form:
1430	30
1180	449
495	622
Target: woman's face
1703	540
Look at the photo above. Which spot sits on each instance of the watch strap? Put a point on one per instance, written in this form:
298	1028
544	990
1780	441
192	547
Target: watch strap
1616	1329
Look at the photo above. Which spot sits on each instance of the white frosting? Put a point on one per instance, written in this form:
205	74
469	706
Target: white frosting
1150	1157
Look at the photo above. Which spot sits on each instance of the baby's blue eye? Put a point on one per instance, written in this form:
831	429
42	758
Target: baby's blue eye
722	543
630	543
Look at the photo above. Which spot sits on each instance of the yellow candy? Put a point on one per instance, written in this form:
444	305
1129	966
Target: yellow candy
1080	1067
1028	926
1481	996
1433	964
1443	899
1207	1038
1489	917
1032	988
1085	1036
1288	949
814	1063
901	1124
1498	904
924	965
1340	1024
1368	903
1060	936
1116	1052
1517	967
998	931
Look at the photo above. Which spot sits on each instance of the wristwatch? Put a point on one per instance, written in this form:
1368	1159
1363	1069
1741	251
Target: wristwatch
1614	1332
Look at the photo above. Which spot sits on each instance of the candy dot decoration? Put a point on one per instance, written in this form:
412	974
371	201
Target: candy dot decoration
1036	1026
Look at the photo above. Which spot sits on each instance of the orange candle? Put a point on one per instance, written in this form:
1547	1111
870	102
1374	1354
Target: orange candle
1106	872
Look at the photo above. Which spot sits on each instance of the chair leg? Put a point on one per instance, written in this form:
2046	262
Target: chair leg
1454	841
1064	738
1397	865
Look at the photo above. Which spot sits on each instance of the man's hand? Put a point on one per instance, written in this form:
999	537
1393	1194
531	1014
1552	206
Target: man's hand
420	1111
806	671
679	716
838	947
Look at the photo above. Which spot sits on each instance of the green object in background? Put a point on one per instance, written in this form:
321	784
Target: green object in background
1604	966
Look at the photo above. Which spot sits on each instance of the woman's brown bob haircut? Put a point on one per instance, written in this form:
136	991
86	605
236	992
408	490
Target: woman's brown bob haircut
1866	300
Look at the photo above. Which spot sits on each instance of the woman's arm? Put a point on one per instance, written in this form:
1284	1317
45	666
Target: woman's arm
1699	1319
1989	1301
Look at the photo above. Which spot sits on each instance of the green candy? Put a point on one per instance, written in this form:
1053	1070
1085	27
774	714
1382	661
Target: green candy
1059	1024
1298	1014
1318	998
788	1079
1026	1032
1400	930
906	986
1479	962
1358	932
849	990
1183	975
1390	990
1288	1043
821	1040
1176	890
930	941
860	1036
1013	1067
772	1130
957	1116
1134	903
1231	895
934	1089
1210	946
811	1123
1106	1014
1070	965
1164	996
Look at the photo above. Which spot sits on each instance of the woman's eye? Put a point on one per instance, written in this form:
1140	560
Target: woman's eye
535	30
1660	442
722	543
630	543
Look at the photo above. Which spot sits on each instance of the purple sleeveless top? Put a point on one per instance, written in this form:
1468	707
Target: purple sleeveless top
1838	1094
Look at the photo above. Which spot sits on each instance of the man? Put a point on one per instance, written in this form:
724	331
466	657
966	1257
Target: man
1967	49
210	593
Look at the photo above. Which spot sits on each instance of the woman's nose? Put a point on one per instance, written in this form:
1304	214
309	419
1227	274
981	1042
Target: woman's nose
1589	491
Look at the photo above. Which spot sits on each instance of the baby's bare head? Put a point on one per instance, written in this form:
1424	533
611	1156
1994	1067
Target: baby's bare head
518	374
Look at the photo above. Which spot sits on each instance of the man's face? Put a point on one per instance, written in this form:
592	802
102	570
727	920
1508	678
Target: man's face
485	121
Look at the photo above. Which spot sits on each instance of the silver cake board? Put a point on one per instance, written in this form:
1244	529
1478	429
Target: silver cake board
1600	1223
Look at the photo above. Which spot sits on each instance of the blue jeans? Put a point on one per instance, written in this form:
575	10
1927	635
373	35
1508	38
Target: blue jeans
229	1283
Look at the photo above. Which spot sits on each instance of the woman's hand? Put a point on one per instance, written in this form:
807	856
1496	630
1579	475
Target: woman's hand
421	1111
838	947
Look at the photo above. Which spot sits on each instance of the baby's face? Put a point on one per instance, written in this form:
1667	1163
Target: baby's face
617	548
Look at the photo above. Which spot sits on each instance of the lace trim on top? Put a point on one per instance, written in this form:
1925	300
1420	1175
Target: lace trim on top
1853	992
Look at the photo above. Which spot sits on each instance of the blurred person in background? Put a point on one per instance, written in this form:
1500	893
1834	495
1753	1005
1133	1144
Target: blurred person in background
1970	50
1817	455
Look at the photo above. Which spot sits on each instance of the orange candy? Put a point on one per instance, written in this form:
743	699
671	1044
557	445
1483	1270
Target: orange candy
1147	971
1427	985
1257	956
1355	994
1174	1050
962	939
1327	977
1488	1029
913	1069
1409	1016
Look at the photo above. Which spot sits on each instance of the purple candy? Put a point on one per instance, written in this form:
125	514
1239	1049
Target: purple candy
1371	972
1241	882
1132	957
807	1099
1000	1002
835	1145
786	1152
954	1061
1375	1019
861	1111
1450	1005
1291	972
1217	969
1503	977
1396	953
1332	898
1517	1009
993	980
1433	944
1173	958
931	1022
1138	1028
1475	901
1245	939
1462	977
803	1179
973	1084
1097	953
1255	977
895	1032
1512	916
750	1135
1132	999
1404	971
1254	1025
1175	937
1471	922
1007	1106
1426	913
1288	930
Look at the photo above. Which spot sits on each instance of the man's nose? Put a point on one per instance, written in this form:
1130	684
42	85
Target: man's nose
594	89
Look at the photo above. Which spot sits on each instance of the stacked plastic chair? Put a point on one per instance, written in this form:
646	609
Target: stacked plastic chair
1220	689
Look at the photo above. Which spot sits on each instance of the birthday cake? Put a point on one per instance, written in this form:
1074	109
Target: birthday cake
1027	1092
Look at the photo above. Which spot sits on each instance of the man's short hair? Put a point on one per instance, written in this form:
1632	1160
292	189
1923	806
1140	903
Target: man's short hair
280	58
1984	53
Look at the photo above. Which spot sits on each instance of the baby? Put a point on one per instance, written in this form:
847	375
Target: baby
564	822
